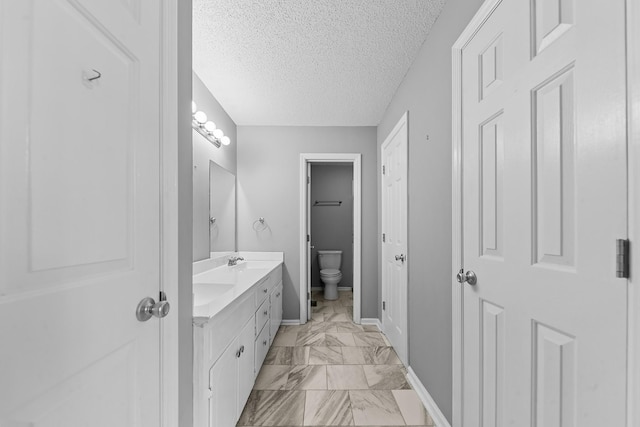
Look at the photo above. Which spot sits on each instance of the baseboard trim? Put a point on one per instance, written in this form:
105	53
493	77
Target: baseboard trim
290	322
316	288
436	414
373	321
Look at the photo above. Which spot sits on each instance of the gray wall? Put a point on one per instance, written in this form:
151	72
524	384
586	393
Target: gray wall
426	93
269	187
332	226
203	152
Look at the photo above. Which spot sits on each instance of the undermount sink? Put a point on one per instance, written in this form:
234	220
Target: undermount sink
216	276
205	292
254	265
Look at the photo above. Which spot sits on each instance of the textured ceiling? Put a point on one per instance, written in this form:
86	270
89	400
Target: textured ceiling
307	62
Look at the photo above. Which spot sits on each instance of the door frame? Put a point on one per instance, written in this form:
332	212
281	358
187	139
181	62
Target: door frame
633	146
633	143
404	351
175	203
356	160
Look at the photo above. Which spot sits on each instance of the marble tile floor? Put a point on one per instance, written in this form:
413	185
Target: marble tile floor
332	372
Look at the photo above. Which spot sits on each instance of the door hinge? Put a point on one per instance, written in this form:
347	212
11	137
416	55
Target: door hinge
308	180
384	171
622	258
384	305
308	295
384	237
308	238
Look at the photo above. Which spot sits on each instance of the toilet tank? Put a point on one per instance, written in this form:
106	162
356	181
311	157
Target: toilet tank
329	259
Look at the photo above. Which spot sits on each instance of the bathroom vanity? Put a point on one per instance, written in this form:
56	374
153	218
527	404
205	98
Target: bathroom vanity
237	312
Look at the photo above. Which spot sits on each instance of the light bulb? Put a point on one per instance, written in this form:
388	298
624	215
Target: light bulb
194	107
225	140
200	117
210	126
217	134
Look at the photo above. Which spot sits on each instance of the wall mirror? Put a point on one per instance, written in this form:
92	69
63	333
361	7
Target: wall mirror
214	208
222	209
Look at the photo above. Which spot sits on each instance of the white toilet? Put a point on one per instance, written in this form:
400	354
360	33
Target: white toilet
330	273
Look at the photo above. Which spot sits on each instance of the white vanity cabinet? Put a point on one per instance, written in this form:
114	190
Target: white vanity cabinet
229	349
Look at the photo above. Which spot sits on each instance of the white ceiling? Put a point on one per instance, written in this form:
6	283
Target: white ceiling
307	62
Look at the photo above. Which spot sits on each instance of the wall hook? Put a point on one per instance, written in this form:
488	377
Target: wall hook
99	74
89	75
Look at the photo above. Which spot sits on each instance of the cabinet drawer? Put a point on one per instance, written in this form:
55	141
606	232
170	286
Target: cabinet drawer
262	291
261	349
267	284
275	315
262	315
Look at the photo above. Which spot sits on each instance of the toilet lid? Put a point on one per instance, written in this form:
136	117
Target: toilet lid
330	272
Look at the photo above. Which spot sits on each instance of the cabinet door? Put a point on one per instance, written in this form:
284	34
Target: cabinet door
276	311
223	383
246	376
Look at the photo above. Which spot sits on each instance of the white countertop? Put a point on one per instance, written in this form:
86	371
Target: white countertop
218	288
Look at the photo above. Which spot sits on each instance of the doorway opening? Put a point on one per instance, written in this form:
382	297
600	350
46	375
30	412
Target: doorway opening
330	219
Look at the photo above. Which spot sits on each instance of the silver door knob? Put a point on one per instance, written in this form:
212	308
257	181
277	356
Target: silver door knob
469	277
401	257
148	308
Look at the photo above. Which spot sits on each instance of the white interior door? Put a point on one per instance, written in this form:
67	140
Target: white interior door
544	200
79	212
394	246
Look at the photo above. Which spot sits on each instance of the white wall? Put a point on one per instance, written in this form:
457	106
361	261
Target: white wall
203	152
268	186
426	93
332	226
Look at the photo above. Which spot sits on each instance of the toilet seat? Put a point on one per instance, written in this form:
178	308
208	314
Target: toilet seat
330	272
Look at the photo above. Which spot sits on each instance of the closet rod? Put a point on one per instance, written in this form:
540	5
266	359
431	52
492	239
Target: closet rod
327	203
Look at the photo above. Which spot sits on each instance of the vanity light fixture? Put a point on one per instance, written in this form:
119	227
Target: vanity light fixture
207	128
210	126
217	133
200	117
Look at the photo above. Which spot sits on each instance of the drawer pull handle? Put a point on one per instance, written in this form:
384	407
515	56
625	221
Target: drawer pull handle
266	312
265	290
264	342
238	353
242	349
278	294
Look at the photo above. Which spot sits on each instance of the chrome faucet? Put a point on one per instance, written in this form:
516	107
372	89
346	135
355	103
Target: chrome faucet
234	260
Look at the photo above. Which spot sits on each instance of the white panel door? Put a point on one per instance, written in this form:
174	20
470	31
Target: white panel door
79	212
544	200
394	246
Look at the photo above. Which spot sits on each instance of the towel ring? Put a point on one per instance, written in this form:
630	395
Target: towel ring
260	224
